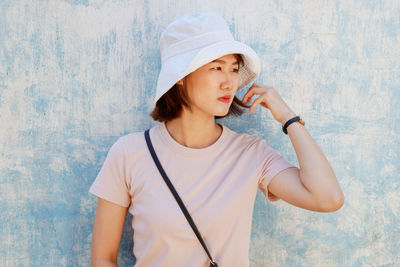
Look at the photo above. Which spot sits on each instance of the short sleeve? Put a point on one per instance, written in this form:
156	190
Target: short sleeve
269	163
110	183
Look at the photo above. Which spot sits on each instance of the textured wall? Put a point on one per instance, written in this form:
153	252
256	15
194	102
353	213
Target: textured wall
77	74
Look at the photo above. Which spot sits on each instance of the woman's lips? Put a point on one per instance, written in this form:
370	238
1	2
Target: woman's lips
224	99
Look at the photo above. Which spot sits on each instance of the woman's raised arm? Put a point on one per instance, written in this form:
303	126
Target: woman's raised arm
313	185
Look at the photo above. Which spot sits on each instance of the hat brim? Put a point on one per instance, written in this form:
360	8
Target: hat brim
178	67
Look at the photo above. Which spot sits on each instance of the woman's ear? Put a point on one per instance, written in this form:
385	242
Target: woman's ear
180	82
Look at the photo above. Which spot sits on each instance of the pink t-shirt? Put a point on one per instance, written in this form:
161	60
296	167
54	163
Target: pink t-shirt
218	185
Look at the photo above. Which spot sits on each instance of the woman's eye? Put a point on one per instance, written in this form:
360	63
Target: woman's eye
220	68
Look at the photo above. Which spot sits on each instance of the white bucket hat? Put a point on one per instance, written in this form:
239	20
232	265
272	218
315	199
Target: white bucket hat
194	40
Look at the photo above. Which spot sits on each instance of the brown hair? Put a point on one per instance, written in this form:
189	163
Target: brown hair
170	105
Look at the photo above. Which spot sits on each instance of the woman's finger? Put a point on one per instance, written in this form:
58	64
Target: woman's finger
251	92
258	100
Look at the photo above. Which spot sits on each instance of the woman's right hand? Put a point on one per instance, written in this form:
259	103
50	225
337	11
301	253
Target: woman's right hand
270	99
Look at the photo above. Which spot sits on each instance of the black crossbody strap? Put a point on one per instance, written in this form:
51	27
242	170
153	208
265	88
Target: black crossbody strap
176	196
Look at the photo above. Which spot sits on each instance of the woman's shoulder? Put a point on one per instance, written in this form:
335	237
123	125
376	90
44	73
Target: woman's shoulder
135	140
248	139
248	136
132	136
129	139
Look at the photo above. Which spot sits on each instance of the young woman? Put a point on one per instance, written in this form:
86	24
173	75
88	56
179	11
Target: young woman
215	170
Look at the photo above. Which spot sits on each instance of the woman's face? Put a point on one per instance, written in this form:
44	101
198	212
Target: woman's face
212	87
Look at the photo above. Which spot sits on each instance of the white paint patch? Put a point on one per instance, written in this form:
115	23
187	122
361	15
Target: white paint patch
388	170
392	200
91	22
58	163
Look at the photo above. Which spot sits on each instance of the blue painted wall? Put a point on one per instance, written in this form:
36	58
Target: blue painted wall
77	74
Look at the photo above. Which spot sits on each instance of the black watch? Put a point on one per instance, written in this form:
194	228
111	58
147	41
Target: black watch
295	119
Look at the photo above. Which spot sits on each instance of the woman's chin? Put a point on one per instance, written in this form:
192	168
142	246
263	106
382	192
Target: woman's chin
221	113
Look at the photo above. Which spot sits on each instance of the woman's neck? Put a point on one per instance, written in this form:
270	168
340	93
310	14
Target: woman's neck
194	132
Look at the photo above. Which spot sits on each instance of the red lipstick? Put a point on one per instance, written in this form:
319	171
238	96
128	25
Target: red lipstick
225	98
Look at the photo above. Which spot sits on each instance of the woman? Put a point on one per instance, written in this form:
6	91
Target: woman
215	170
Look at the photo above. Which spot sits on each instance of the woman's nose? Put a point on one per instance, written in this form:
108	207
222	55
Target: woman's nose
228	81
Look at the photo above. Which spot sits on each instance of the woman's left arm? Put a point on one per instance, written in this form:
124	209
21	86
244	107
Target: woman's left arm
313	185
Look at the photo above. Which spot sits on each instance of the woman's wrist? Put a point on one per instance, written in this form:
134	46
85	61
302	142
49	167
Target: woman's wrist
290	122
289	115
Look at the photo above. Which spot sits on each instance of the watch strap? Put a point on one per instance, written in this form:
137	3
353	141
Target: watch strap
292	120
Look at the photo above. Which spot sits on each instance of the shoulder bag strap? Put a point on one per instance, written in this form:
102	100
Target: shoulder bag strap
176	196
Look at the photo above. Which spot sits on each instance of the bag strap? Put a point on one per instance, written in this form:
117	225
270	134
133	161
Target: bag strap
176	196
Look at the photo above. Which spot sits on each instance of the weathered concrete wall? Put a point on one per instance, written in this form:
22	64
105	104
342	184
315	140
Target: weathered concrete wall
77	74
